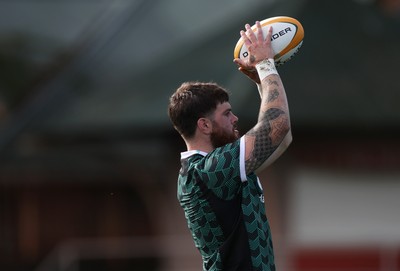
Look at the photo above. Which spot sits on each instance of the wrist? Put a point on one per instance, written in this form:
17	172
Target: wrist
266	68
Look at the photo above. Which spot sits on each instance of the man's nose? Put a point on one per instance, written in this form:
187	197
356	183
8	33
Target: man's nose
235	118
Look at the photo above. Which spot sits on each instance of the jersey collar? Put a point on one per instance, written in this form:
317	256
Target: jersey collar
187	154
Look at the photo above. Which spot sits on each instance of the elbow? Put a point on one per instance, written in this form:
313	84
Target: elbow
287	140
284	136
278	152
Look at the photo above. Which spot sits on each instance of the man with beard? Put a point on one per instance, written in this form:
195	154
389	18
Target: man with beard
218	188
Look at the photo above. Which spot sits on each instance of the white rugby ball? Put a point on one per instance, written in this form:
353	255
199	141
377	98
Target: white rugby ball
287	38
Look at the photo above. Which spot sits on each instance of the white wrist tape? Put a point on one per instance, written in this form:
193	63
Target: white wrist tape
265	68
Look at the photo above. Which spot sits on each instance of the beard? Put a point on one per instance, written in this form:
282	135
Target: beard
219	137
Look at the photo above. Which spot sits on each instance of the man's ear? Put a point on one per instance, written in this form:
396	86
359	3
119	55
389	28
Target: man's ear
204	125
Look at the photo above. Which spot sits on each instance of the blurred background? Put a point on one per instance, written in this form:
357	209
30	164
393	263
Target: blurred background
89	160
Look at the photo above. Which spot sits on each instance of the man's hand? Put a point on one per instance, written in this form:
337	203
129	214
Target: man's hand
258	48
252	74
267	140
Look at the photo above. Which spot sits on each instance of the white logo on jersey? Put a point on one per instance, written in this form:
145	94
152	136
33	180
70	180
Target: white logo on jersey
259	183
262	195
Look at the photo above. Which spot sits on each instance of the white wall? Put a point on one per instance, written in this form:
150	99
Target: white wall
329	208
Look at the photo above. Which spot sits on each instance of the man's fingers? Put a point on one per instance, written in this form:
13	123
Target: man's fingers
238	61
245	38
260	35
250	33
269	34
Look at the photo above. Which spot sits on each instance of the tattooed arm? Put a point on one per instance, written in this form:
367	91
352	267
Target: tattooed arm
270	137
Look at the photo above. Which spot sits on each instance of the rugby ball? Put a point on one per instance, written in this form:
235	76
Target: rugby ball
287	37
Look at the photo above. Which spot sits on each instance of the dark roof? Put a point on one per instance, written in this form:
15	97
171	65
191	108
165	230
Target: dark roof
101	65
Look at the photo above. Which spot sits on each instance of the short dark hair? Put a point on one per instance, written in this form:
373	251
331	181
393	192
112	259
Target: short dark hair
194	100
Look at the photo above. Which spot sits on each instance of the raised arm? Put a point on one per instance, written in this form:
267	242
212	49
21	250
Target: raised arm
270	137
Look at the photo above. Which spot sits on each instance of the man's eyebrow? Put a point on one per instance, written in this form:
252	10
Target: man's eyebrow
228	110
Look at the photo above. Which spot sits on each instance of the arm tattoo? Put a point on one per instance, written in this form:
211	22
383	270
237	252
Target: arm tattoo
272	121
273	95
273	82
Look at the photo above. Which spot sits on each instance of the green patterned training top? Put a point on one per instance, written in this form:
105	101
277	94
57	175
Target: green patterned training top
224	209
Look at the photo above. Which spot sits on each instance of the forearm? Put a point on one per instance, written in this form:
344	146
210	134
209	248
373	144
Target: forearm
272	127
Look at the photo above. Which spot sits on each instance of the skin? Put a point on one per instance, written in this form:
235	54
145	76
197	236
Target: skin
273	123
224	126
222	123
271	135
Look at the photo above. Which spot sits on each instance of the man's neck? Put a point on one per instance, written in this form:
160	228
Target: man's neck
199	147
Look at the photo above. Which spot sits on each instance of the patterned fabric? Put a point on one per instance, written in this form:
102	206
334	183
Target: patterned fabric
225	214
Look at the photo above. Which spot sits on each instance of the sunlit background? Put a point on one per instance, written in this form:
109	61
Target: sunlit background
89	160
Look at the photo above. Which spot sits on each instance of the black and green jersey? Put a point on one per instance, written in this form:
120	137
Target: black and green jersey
224	209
